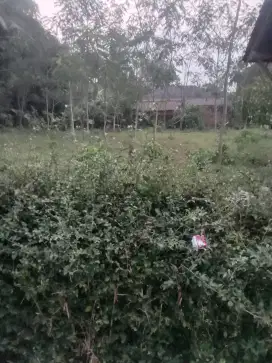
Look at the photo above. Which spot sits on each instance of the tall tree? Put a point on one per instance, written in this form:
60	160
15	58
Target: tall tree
221	29
227	75
27	55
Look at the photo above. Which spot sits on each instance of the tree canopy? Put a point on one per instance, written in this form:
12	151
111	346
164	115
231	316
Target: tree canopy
101	57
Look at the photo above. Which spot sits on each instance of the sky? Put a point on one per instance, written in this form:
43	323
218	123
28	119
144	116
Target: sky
47	6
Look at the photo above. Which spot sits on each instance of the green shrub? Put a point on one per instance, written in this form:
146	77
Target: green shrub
245	138
202	158
253	148
205	157
96	258
153	150
192	118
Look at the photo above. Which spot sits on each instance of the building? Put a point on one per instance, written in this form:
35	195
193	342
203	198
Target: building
171	99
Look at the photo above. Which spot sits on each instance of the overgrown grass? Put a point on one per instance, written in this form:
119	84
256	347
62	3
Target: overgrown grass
96	255
25	147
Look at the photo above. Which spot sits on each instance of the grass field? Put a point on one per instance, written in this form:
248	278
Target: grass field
25	147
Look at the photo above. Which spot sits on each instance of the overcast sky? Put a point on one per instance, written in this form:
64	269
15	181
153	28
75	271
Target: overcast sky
47	6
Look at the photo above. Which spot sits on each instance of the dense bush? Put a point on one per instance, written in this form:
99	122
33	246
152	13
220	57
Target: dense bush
192	118
205	157
254	103
252	148
96	259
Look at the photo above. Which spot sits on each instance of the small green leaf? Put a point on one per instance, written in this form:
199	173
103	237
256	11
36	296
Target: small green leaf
88	309
230	304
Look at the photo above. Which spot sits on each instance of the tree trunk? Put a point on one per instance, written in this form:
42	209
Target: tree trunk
181	118
156	124
115	116
47	109
216	90
105	125
105	113
182	115
71	110
164	106
114	122
182	111
226	82
164	117
87	111
215	113
241	116
136	120
21	109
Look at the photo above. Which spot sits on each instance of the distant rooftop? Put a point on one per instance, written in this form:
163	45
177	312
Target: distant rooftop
177	93
173	105
259	48
170	98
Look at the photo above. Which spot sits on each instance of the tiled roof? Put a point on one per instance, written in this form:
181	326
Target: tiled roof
177	92
174	104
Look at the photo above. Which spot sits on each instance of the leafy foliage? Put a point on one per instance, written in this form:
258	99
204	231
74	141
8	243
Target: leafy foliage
27	56
249	149
255	102
96	258
192	118
252	147
111	55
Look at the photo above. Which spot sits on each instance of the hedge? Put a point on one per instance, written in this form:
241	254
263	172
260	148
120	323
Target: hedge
96	261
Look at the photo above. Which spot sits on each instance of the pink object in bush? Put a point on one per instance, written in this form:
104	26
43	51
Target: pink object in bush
199	242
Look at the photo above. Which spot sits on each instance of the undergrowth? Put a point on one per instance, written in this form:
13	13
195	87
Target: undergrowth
248	149
96	260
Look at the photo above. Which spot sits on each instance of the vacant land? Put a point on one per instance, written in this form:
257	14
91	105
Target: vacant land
25	147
